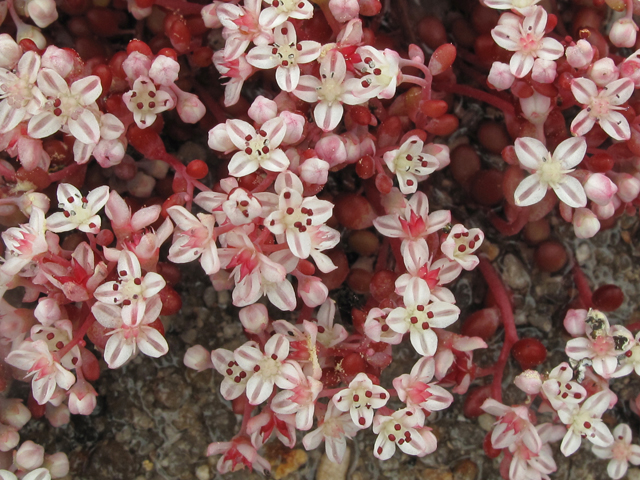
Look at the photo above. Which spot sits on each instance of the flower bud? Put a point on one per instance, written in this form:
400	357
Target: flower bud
210	15
254	318
198	358
544	71
57	464
603	72
10	52
141	185
33	199
628	186
314	170
580	54
29	456
604	211
623	33
164	70
48	311
312	291
136	65
500	76
42	12
57	415
344	10
600	189
585	223
219	139
332	150
9	438
82	398
536	108
58	59
529	382
630	68
295	127
32	33
14	413
574	322
190	108
262	109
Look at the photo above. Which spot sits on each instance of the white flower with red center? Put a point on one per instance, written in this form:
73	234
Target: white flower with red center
131	286
560	390
237	454
195	238
360	400
241	27
329	334
454	360
630	361
269	368
532	465
280	10
35	358
132	331
72	109
415	390
235	378
302	345
403	428
550	171
334	429
238	206
20	96
146	102
602	106
323	238
330	91
380	70
525	37
602	344
377	329
410	164
295	214
621	453
258	149
461	244
24	242
419	318
261	427
585	421
237	71
513	425
299	400
79	211
415	222
285	53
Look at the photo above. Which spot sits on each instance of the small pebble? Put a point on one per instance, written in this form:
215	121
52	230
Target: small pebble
327	470
203	473
583	253
486	422
436	474
465	470
514	273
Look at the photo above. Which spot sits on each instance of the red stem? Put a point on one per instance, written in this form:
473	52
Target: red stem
501	296
476	94
181	6
582	284
77	336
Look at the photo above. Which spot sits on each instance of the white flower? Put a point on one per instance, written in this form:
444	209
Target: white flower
146	102
621	453
330	91
460	245
585	421
300	399
526	39
235	378
560	390
24	242
550	171
517	5
404	429
335	428
360	399
21	97
380	71
411	163
280	10
601	107
71	108
415	390
195	238
285	53
79	211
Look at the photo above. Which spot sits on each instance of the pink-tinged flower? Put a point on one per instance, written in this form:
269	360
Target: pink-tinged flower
601	106
585	222
79	211
623	33
146	102
330	91
69	108
195	238
237	71
536	108
42	12
131	287
630	361
21	97
254	318
300	399
344	10
258	149
295	214
360	399
603	72
579	55
415	222
602	344
500	76
419	268
270	368
260	427
329	334
513	425
302	345
235	378
403	428
323	238
380	70
237	454
334	429
419	318
377	329
526	39
280	10
600	189
621	453
415	390
24	243
411	164
82	398
285	53
122	222
461	244
35	358
550	171
560	390
454	360
585	421
238	205
517	5
241	27
131	331
526	464
198	358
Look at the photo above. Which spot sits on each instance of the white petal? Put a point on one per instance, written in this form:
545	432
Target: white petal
530	191
571	152
531	152
571	192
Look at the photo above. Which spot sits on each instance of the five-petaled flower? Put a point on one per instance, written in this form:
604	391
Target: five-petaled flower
412	163
78	211
195	238
146	102
621	453
360	399
585	421
550	171
403	428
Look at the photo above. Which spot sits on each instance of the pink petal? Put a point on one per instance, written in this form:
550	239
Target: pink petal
87	88
530	152
530	191
43	125
583	123
616	126
571	192
328	115
584	90
571	152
